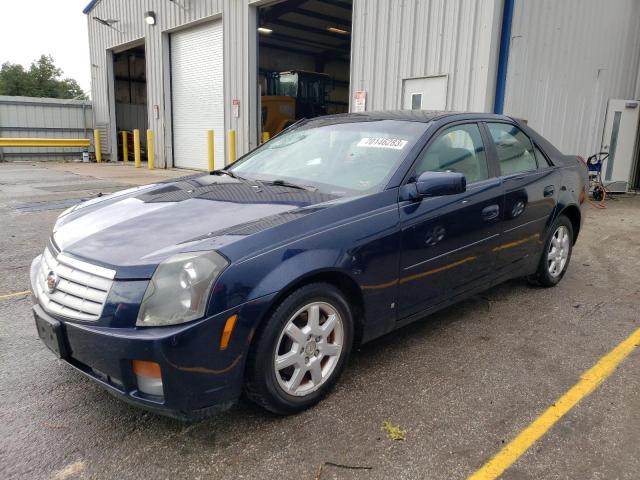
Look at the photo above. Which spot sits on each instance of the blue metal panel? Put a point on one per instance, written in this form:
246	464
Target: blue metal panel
89	6
503	59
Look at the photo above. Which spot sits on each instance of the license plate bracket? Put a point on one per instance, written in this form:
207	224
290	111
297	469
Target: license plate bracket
50	332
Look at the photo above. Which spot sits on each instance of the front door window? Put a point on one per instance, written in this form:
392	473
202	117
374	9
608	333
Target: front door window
457	149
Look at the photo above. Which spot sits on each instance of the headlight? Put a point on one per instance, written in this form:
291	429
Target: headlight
179	289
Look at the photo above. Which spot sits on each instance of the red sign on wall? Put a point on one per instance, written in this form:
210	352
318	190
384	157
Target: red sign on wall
359	101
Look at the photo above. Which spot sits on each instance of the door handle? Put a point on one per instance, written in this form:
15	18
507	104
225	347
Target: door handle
490	212
549	190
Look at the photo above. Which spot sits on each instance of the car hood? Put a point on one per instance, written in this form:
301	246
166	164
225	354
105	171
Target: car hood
145	225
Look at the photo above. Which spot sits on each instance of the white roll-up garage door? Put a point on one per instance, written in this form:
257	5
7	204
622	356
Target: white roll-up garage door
196	94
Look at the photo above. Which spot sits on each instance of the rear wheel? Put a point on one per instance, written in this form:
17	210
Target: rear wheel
556	255
301	351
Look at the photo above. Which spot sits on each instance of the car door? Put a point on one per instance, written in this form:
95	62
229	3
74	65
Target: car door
531	188
447	241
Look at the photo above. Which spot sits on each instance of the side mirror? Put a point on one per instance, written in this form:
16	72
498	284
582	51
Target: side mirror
433	184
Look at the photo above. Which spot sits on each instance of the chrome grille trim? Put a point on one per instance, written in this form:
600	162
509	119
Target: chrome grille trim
82	287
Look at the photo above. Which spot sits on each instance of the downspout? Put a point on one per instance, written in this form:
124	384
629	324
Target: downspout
503	58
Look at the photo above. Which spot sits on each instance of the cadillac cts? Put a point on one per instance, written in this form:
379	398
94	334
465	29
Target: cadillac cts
261	278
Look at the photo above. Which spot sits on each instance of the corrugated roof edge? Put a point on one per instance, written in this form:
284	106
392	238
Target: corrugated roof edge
90	6
35	100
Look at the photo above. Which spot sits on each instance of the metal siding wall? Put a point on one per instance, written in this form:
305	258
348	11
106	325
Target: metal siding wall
566	60
170	16
27	117
398	39
236	79
637	95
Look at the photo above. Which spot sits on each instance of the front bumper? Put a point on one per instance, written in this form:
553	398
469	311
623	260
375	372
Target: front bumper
198	378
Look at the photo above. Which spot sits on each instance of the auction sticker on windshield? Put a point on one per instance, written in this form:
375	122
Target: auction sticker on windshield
381	142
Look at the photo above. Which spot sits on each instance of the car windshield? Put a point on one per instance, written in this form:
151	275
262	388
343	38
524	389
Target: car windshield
334	156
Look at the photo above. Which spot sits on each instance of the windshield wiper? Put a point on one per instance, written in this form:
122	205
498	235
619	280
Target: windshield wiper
230	173
284	183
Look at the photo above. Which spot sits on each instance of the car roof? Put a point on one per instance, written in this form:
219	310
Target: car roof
423	116
441	116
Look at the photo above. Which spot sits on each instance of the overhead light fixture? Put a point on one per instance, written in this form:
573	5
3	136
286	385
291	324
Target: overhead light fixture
265	30
337	30
150	18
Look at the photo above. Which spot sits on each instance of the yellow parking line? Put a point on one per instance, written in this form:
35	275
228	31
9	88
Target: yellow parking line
589	381
15	294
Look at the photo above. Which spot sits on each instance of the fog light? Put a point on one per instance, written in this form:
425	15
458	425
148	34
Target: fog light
149	377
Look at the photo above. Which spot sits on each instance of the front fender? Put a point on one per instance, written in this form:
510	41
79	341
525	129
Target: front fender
361	243
295	266
273	272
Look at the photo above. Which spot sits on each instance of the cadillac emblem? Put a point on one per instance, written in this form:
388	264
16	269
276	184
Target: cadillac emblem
52	281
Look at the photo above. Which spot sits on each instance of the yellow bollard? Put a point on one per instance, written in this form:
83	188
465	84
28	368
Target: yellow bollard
265	137
136	147
151	154
210	144
125	147
232	146
96	144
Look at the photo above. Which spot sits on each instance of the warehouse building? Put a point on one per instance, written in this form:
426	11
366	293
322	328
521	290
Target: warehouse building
183	67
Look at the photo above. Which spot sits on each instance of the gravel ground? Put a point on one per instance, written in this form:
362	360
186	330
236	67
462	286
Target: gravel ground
461	382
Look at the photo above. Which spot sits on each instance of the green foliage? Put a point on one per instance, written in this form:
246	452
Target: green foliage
394	433
43	79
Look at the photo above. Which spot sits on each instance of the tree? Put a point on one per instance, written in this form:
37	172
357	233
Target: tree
13	79
43	79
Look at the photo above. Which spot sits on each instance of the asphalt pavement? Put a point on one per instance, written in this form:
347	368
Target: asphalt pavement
462	383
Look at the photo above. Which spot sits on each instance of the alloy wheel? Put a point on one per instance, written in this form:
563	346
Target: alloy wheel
309	348
558	252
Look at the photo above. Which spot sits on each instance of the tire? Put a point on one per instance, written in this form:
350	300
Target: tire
553	266
295	361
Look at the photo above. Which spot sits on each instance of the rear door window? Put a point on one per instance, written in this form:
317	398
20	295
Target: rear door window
514	149
543	160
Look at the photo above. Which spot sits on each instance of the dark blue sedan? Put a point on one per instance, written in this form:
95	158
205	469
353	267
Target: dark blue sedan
262	277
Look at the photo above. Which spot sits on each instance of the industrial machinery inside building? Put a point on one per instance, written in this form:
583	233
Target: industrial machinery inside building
304	55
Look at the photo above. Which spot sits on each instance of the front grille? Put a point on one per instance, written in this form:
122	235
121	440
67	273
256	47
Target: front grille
81	291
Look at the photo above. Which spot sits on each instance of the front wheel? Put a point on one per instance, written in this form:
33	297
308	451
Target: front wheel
301	351
556	255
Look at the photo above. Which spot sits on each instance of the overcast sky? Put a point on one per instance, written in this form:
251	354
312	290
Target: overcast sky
29	28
